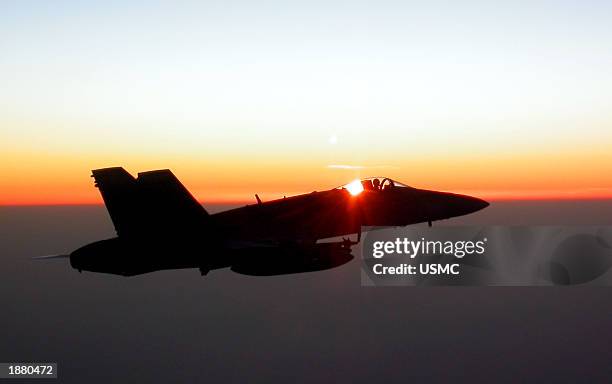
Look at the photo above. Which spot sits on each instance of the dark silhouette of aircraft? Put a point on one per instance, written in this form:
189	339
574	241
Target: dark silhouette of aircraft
160	225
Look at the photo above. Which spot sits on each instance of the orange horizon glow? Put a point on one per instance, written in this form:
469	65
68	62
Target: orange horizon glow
38	178
230	186
243	200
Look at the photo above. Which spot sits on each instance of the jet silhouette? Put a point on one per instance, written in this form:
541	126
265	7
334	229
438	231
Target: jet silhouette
160	225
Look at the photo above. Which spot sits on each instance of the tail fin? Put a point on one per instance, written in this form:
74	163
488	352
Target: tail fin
164	198
155	202
118	189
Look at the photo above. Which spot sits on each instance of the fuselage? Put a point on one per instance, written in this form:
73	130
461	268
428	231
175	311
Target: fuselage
336	212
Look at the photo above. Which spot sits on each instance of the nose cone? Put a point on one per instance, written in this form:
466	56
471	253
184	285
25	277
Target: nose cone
473	204
446	205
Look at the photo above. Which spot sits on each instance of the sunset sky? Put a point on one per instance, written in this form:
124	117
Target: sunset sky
240	97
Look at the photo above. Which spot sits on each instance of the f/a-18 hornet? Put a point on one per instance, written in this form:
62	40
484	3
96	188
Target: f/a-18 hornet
160	225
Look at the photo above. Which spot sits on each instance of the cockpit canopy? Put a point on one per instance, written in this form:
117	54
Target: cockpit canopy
357	186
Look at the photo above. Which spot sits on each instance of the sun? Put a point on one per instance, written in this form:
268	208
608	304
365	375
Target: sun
355	187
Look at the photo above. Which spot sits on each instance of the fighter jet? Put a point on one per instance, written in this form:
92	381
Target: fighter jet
160	225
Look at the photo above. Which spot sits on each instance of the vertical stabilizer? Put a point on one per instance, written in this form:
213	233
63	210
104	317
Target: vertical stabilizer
155	203
119	190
